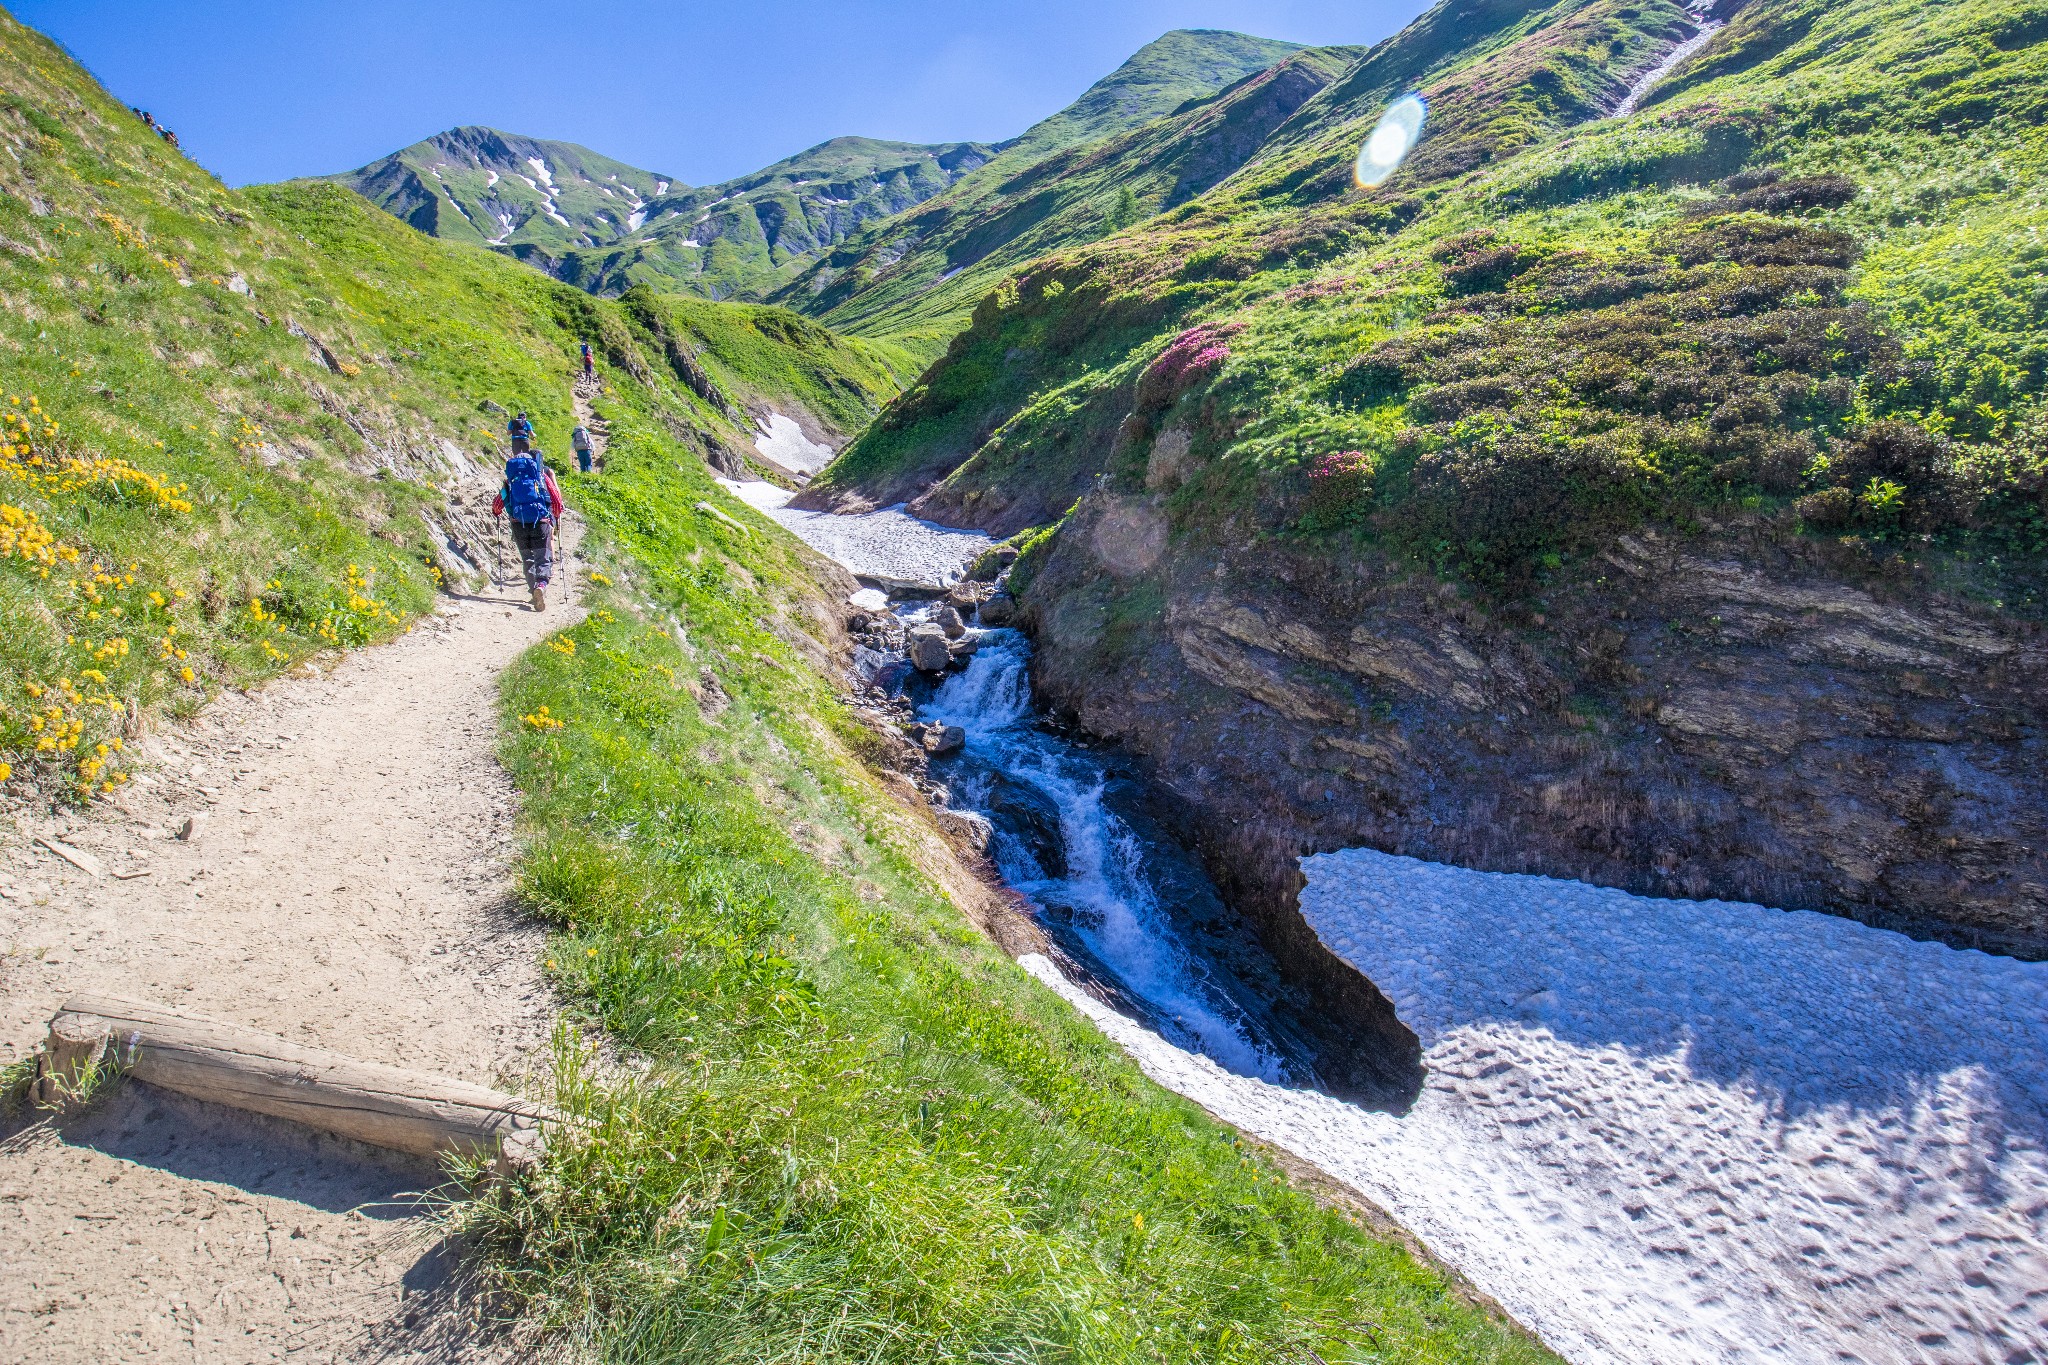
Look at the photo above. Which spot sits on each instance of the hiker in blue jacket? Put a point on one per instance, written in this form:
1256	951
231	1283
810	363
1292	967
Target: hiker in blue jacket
533	504
521	432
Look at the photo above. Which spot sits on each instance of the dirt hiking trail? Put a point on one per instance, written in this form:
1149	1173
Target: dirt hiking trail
579	399
348	888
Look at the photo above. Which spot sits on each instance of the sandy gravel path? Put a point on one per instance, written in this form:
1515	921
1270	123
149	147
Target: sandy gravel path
349	889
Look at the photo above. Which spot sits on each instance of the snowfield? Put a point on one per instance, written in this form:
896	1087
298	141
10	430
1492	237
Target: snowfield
889	547
1684	1131
781	440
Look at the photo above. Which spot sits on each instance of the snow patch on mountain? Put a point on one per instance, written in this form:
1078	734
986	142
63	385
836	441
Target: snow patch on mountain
781	440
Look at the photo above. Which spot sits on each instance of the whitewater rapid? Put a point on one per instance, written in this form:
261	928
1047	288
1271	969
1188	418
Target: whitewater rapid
1100	891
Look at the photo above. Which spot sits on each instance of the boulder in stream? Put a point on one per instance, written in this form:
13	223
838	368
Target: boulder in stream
944	739
968	594
999	610
948	620
928	650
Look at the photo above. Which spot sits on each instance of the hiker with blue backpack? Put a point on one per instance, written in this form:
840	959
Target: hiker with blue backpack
530	500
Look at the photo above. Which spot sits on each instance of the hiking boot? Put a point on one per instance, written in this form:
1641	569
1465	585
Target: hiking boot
540	597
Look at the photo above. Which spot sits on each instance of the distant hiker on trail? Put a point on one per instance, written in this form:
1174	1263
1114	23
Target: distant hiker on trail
589	364
579	441
533	504
521	432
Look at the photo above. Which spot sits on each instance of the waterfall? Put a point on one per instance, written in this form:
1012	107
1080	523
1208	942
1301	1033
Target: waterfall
1094	892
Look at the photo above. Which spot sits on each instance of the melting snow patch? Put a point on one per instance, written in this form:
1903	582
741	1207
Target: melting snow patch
540	168
890	547
780	439
1684	1131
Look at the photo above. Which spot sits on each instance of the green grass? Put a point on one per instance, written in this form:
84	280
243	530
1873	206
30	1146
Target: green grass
863	1134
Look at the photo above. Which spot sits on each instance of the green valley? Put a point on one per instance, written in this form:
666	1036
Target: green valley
251	429
1403	461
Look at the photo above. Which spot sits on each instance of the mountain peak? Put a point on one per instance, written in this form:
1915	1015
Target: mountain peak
1179	65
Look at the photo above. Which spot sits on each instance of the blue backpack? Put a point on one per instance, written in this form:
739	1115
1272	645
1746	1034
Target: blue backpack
526	490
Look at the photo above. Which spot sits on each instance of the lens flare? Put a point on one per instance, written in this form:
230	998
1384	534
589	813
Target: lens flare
1400	128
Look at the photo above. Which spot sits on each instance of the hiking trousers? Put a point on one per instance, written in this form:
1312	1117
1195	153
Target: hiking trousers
536	542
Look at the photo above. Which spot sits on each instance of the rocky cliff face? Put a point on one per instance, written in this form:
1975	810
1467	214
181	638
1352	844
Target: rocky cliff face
1721	716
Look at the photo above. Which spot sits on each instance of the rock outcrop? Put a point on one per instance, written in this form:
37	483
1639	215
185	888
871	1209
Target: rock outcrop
928	651
1729	715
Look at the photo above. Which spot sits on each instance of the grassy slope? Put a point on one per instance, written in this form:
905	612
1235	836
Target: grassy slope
887	270
259	460
865	1135
928	268
862	1134
1174	68
1546	328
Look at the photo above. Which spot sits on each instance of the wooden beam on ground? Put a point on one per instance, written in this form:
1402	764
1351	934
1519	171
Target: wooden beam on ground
243	1068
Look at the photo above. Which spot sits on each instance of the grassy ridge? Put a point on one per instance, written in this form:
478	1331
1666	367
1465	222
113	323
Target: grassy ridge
864	1134
1549	327
927	268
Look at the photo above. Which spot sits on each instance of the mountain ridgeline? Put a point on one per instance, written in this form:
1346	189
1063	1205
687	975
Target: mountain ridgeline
1655	498
487	188
605	226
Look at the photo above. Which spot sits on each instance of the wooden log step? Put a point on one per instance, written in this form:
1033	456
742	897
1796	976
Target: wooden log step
244	1068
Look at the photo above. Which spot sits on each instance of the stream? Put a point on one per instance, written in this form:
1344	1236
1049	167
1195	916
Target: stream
1652	1130
1089	876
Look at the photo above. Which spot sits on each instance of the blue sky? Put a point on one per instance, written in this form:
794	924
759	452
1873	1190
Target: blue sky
267	89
